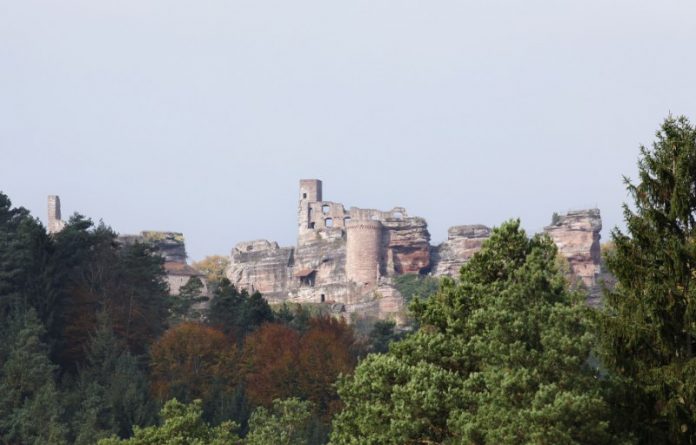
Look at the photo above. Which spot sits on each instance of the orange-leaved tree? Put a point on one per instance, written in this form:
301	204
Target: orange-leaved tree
192	361
326	350
270	358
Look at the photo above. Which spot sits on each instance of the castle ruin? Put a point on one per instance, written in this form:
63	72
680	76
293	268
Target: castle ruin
343	256
349	257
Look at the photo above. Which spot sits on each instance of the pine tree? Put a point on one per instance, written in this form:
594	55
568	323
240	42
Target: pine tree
649	321
99	273
287	422
182	306
26	267
501	357
29	401
111	394
236	312
181	425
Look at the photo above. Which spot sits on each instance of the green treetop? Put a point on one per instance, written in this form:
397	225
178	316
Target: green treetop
501	358
181	425
649	321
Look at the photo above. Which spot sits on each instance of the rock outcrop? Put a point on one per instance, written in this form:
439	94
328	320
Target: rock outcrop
462	243
262	266
407	245
343	257
577	235
347	259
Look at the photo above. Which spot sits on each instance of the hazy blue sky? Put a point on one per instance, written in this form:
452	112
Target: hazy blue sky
201	116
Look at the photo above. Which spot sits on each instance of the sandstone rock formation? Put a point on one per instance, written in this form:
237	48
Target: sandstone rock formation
262	266
342	257
577	236
347	258
462	243
406	244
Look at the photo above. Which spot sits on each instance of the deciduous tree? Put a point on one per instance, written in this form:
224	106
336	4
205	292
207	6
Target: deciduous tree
191	360
325	352
213	267
271	363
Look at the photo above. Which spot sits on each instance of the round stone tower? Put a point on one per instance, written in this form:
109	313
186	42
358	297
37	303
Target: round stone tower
363	251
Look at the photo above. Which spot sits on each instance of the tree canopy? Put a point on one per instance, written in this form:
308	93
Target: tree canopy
649	320
501	357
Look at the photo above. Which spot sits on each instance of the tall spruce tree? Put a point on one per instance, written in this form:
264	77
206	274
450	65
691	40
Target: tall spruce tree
99	273
26	268
500	358
111	396
236	312
649	321
29	401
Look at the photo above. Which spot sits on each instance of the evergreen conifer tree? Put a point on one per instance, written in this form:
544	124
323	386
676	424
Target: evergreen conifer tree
29	401
111	394
500	358
287	422
649	320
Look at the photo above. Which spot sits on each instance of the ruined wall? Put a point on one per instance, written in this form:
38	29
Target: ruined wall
55	223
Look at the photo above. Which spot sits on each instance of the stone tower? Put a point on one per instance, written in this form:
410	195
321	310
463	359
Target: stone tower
363	251
55	223
310	191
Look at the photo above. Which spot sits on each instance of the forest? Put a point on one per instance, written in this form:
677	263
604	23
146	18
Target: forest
94	350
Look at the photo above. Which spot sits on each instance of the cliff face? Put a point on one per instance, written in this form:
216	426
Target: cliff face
577	235
170	245
262	266
462	243
407	245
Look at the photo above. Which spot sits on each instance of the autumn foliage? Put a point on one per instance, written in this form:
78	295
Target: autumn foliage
326	350
282	363
191	359
270	359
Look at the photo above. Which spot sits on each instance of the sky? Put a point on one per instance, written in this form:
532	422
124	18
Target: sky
202	116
